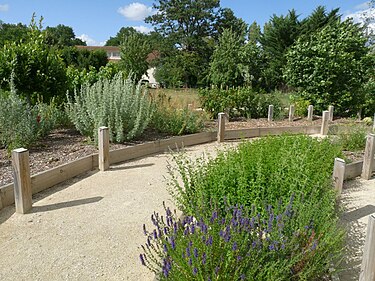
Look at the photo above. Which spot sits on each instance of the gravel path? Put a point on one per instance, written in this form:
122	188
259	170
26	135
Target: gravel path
89	228
358	201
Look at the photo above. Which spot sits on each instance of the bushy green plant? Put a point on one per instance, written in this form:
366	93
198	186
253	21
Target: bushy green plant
300	105
22	124
330	67
237	244
269	171
118	103
352	137
176	121
239	102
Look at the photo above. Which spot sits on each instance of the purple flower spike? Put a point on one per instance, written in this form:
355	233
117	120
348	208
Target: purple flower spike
195	271
165	248
155	234
144	229
204	258
195	252
234	247
142	259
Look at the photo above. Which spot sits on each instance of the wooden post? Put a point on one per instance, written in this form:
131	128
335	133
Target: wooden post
221	128
310	112
22	180
330	109
373	126
368	259
338	174
270	113
103	135
291	113
324	128
368	160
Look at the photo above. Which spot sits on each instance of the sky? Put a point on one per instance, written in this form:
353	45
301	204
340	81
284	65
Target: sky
95	21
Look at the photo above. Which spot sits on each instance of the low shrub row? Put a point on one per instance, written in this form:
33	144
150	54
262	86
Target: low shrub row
263	211
240	102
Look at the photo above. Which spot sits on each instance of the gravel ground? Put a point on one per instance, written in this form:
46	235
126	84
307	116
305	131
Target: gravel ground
89	228
358	201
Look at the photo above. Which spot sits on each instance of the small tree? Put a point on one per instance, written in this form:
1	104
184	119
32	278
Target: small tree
37	69
226	68
329	67
134	52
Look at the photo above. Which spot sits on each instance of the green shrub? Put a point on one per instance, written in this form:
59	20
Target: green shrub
239	102
269	171
352	137
21	124
117	103
301	105
175	121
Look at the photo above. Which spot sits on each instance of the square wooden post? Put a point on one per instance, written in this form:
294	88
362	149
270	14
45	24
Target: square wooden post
103	135
338	174
22	180
330	109
310	112
324	128
368	259
368	160
221	127
291	113
270	113
373	126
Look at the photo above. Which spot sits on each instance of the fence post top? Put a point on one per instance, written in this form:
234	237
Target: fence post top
339	160
371	135
103	128
19	150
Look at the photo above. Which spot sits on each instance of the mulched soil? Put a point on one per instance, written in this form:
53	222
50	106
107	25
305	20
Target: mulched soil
66	145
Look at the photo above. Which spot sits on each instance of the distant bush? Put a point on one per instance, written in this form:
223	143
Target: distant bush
118	103
175	121
239	102
352	137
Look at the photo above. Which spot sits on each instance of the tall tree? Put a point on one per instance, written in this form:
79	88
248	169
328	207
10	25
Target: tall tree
120	36
278	35
254	33
62	36
12	32
188	29
318	19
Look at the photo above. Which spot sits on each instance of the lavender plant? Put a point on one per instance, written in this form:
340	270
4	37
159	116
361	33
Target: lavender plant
263	172
237	244
118	103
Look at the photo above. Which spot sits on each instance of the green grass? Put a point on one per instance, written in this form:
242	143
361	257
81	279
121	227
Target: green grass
180	97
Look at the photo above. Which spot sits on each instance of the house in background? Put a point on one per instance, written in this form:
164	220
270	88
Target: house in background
113	52
113	55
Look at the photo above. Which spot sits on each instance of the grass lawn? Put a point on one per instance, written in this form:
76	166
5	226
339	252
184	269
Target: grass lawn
180	97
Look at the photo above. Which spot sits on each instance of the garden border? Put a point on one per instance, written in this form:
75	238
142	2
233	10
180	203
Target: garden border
59	174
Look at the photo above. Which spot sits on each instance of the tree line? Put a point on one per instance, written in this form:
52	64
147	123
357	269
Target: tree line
200	44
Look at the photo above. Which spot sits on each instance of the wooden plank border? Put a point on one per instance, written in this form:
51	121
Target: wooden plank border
59	174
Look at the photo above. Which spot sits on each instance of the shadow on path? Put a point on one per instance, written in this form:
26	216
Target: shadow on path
67	204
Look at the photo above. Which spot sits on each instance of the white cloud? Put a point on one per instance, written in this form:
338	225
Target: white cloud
90	41
135	11
143	29
362	6
363	12
4	7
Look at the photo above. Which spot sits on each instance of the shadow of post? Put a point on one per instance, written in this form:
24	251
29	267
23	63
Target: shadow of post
67	204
